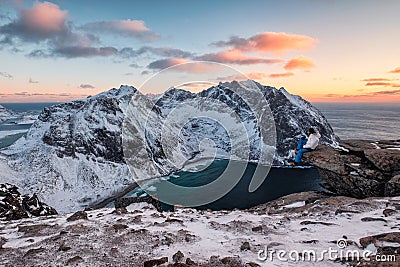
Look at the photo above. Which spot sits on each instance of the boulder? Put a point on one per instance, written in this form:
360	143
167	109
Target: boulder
387	160
393	186
359	168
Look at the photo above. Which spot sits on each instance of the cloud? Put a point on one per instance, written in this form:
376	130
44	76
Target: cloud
42	21
368	95
281	75
183	65
126	28
390	92
32	81
254	76
235	56
84	51
129	52
270	42
47	22
86	86
166	63
300	62
376	80
134	65
6	75
396	70
382	84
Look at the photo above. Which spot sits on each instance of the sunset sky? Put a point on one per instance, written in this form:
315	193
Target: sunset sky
322	50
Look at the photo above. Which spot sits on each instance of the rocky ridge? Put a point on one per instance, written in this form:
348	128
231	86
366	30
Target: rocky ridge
14	206
359	168
72	155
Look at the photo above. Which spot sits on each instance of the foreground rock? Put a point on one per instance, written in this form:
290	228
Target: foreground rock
142	236
14	206
360	169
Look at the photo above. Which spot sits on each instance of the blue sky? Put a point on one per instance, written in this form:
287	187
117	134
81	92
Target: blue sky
337	50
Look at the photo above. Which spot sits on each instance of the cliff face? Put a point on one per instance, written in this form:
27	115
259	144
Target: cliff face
361	168
73	154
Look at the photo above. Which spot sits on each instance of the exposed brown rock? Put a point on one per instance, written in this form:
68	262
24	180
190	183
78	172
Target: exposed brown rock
190	262
362	169
74	260
178	257
79	215
392	188
245	246
387	160
155	262
386	237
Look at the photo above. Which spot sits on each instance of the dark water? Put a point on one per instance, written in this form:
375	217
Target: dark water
25	107
376	121
279	182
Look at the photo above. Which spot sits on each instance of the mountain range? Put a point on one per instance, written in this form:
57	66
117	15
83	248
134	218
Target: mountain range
73	154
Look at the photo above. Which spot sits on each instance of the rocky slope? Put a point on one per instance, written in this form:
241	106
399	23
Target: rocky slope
14	206
72	156
360	168
142	236
5	113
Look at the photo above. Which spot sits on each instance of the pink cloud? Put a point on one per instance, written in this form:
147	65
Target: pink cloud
378	84
235	56
271	42
281	75
43	20
396	70
376	80
300	62
382	84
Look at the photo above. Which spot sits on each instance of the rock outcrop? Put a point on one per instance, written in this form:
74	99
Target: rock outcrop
14	206
359	168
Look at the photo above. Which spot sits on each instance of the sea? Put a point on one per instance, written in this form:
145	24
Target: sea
374	121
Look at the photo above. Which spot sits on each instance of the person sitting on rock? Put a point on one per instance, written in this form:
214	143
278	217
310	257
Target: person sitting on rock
307	145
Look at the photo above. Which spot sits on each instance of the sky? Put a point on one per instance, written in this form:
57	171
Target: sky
324	51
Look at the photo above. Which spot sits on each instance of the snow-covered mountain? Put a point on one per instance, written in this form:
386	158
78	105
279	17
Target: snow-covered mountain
73	154
5	113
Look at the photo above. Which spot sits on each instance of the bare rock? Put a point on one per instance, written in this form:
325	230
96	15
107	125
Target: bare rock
178	257
389	212
190	262
63	247
155	262
372	219
245	246
376	239
79	215
14	206
393	187
74	260
387	160
362	169
356	145
232	261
